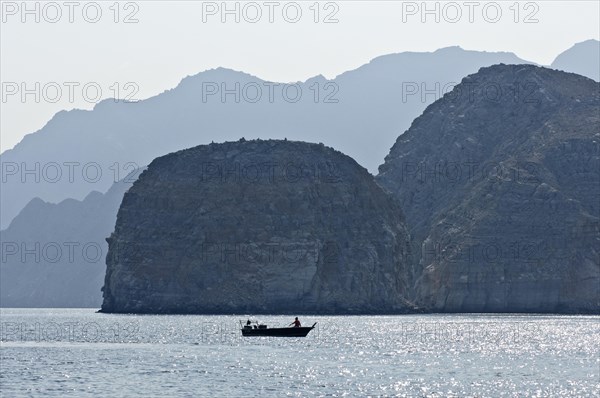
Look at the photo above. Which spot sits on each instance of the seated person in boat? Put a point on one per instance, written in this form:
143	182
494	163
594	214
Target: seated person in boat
296	323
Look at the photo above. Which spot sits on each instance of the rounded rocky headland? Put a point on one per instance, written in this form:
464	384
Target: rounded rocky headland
257	227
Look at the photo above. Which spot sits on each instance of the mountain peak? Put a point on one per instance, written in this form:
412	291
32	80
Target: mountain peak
582	58
449	49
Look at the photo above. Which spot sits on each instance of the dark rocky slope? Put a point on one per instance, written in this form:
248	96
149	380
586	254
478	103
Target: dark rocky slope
257	226
500	184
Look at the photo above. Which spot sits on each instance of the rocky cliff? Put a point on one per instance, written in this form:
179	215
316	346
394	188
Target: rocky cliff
257	226
500	184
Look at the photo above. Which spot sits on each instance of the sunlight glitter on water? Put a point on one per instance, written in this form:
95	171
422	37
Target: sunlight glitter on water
77	352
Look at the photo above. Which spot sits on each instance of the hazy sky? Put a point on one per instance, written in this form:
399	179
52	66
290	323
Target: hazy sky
88	44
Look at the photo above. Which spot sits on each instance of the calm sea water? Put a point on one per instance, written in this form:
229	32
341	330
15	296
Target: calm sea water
77	352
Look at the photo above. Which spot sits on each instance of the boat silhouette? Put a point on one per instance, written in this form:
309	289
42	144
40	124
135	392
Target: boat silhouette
263	330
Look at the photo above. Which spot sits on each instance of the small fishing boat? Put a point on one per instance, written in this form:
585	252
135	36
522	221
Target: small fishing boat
263	330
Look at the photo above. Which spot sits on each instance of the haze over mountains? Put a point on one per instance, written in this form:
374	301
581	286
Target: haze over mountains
360	113
583	58
375	104
53	255
80	151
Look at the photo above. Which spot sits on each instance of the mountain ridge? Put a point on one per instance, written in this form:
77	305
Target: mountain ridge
193	113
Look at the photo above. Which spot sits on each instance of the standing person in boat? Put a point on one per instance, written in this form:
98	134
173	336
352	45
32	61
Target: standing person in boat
296	323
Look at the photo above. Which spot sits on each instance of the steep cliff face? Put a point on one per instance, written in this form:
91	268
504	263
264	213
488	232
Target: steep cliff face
499	181
257	226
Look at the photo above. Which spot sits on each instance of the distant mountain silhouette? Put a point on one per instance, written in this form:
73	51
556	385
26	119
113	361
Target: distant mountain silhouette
53	255
583	58
360	113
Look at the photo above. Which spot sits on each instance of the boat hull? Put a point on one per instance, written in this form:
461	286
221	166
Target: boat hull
278	332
